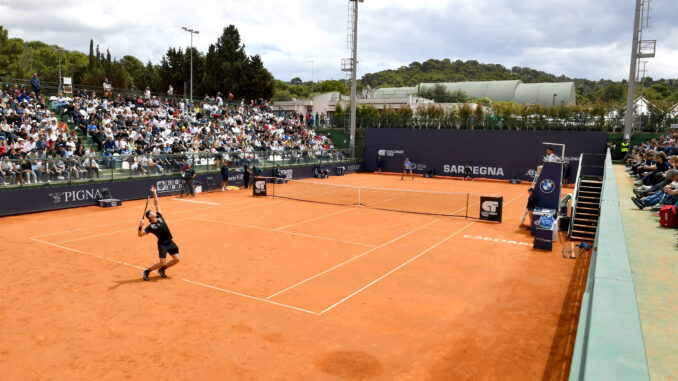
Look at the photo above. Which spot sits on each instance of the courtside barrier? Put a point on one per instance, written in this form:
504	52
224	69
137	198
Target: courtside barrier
490	154
38	199
609	343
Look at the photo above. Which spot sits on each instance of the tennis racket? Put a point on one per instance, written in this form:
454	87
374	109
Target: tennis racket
145	208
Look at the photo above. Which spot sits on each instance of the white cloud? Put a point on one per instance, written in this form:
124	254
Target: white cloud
577	38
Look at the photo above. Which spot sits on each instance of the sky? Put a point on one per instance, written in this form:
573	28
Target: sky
575	38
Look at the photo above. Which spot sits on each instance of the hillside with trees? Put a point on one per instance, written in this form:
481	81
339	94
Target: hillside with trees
445	70
231	70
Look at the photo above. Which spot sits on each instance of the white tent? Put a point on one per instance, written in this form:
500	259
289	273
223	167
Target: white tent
641	107
673	112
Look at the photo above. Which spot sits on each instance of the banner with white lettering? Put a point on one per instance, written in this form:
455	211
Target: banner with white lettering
37	199
259	188
492	154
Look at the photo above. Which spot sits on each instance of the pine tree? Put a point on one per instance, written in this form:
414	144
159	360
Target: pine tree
91	55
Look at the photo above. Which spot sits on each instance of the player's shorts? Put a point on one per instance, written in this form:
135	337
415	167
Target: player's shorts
169	247
408	170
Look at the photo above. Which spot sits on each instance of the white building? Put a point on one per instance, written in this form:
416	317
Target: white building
325	104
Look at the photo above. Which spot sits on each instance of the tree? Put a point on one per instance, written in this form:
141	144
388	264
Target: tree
91	54
11	50
657	92
612	92
440	94
296	81
136	71
258	82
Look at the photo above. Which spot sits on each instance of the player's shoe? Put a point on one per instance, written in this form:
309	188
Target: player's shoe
145	274
161	271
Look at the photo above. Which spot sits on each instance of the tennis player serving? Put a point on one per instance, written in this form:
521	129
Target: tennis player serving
159	227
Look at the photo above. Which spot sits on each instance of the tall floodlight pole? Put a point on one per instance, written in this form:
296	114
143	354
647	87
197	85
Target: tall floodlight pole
192	32
60	51
354	71
641	49
628	118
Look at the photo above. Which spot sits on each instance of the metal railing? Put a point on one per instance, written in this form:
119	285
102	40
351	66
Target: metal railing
491	122
51	88
33	171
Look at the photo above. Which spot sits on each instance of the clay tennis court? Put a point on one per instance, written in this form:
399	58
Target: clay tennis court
270	288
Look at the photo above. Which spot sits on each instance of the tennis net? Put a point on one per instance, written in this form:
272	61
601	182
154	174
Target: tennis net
400	200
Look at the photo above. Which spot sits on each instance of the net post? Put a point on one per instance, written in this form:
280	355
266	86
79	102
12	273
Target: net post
468	195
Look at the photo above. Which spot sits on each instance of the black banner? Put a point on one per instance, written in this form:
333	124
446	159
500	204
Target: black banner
38	199
259	188
491	208
492	154
547	190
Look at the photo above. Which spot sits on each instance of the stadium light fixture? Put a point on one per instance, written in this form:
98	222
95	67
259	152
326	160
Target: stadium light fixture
192	32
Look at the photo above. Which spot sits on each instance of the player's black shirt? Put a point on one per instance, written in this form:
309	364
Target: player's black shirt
188	175
532	202
160	229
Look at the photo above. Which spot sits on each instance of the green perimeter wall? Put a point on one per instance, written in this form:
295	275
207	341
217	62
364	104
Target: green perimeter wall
609	343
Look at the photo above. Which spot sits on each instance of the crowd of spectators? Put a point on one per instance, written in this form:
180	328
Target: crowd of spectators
654	166
30	133
150	133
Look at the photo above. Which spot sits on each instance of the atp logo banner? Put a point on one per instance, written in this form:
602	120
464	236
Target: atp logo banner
259	187
491	208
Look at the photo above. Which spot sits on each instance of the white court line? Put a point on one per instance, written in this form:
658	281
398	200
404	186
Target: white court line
88	254
183	279
249	296
395	269
354	258
284	231
315	219
196	201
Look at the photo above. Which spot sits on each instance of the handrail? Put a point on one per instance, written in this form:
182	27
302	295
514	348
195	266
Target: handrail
574	199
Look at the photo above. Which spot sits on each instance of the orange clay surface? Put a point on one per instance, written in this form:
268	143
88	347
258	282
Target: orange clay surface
275	289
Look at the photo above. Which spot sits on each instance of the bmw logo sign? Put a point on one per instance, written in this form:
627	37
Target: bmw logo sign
547	186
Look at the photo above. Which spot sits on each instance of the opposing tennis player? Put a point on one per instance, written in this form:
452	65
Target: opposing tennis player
407	168
159	227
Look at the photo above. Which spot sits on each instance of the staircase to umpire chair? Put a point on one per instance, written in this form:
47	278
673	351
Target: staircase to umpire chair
587	194
587	208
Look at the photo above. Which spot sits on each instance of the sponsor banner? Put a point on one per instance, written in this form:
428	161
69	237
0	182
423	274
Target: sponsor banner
547	188
458	170
492	154
390	152
491	208
37	199
259	188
